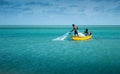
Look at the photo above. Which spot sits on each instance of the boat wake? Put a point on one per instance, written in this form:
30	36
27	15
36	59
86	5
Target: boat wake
61	38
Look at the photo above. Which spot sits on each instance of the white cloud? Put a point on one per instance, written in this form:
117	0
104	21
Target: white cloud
81	10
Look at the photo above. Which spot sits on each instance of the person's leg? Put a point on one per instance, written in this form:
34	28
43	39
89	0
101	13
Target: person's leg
76	32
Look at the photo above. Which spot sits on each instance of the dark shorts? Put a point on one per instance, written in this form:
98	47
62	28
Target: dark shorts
75	32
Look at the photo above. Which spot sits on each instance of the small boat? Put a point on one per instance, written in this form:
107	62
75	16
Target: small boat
78	38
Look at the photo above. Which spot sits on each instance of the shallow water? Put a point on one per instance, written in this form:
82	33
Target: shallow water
33	51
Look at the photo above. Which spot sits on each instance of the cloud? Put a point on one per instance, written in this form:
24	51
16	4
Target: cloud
8	7
38	3
46	6
115	10
100	7
65	8
105	0
3	2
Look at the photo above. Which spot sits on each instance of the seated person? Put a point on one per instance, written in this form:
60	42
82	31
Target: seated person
86	32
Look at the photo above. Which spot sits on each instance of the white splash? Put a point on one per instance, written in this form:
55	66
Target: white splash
81	34
61	38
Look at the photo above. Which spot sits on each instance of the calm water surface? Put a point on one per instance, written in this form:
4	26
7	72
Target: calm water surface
33	51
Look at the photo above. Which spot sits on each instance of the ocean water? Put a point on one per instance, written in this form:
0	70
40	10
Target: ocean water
35	50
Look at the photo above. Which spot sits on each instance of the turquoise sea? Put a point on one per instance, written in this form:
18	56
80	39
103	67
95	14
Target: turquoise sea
32	50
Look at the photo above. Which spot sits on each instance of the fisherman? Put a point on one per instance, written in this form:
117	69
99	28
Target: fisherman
87	33
75	29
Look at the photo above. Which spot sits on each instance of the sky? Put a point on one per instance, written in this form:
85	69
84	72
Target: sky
59	12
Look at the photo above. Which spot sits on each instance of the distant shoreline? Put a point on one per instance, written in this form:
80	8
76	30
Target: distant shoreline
51	26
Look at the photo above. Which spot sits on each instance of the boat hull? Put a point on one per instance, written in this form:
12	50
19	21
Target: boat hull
78	38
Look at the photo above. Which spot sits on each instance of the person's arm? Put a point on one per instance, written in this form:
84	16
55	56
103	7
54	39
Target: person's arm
71	30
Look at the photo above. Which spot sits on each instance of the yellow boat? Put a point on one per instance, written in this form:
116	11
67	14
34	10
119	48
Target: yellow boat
77	38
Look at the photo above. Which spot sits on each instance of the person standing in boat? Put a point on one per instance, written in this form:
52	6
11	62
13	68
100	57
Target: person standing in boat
75	29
